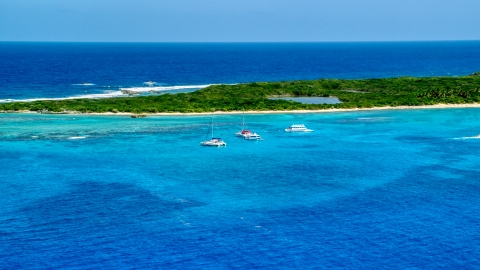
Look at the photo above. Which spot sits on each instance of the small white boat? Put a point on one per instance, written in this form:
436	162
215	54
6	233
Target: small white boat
252	137
149	83
243	133
298	128
247	134
214	141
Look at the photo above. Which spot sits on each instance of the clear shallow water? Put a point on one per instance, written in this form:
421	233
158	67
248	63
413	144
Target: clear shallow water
30	70
395	189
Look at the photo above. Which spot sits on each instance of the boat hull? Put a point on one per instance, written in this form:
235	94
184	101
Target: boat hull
306	130
243	133
298	128
252	137
216	144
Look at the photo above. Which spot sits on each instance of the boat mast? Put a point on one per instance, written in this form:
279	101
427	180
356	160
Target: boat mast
208	130
243	119
212	126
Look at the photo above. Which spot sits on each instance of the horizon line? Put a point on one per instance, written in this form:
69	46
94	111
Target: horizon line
351	41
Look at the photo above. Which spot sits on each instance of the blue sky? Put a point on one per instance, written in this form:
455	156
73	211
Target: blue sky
238	20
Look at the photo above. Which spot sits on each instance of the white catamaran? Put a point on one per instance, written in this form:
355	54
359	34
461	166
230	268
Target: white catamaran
247	134
214	141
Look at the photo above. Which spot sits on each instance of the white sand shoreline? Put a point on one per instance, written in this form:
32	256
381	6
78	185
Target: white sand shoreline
436	106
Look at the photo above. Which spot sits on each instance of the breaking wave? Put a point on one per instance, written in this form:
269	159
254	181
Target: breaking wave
165	88
84	84
122	92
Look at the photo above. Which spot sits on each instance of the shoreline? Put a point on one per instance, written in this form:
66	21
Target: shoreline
333	110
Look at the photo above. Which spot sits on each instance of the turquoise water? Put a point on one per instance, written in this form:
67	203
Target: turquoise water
389	189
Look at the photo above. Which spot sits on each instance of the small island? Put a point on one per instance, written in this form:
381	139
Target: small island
352	94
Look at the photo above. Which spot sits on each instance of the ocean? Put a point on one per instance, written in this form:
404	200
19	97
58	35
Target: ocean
391	189
31	70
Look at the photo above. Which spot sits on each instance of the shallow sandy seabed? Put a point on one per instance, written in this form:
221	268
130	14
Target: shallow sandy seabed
437	106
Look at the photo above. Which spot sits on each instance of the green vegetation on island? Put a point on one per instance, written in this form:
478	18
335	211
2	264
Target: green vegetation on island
365	93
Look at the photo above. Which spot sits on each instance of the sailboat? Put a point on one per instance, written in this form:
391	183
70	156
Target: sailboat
247	134
214	141
244	131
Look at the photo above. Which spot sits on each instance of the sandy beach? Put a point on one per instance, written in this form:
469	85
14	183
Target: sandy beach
333	110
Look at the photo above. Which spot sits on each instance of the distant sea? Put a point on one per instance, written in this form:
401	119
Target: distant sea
30	70
392	189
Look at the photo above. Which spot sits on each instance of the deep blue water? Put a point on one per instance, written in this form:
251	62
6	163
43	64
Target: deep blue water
385	189
52	70
365	190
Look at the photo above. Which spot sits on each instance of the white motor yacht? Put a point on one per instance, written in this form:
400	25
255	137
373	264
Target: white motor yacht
298	128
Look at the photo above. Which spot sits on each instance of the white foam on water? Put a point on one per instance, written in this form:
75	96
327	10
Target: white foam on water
150	83
76	137
374	118
165	88
467	138
104	95
84	84
112	93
